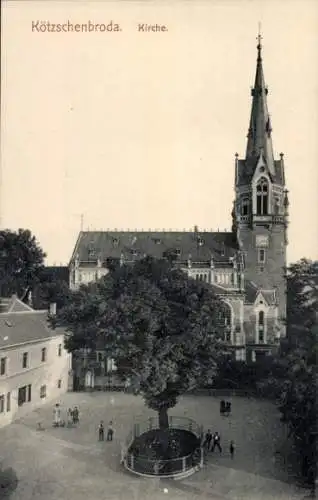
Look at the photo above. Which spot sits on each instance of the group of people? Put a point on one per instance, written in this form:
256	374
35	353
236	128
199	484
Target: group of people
101	431
212	441
72	417
225	408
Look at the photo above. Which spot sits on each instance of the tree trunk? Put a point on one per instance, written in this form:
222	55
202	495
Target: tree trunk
163	418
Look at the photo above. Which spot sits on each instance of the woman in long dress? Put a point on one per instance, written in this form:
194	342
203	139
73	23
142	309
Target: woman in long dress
56	415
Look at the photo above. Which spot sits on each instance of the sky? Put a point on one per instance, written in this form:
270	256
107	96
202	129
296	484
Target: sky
138	130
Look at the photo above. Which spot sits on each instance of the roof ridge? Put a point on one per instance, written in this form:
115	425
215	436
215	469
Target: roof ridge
32	311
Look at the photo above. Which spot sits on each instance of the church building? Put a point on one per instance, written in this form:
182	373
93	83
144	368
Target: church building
245	266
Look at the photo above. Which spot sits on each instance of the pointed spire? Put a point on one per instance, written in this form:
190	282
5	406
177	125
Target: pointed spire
260	128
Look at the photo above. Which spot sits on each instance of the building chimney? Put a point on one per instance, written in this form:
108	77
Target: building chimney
196	229
52	309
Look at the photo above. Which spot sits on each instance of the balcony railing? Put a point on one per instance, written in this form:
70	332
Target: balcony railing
269	219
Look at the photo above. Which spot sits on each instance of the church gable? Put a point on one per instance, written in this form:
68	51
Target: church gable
261	170
260	300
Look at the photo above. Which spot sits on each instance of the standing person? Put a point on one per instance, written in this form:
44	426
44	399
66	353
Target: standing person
222	407
69	417
127	385
57	415
110	431
75	415
207	440
101	431
216	442
228	408
232	449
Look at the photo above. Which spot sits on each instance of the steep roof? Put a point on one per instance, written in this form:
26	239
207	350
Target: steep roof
13	305
252	291
259	139
132	245
23	327
246	169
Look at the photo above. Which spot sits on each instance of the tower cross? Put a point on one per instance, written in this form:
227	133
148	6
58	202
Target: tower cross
259	37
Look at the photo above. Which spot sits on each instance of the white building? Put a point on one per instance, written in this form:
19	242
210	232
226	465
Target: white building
34	366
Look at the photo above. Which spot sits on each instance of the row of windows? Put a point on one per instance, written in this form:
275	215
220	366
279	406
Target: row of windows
25	359
201	277
87	277
220	278
24	396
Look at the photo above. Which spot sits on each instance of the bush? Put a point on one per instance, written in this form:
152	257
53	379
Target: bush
8	482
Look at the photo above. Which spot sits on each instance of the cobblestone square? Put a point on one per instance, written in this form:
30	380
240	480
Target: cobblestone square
67	463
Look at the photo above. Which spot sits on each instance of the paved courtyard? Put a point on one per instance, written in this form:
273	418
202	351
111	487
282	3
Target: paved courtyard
67	464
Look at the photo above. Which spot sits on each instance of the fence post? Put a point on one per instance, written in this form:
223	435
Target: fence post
132	461
202	458
170	421
150	423
136	430
201	432
184	464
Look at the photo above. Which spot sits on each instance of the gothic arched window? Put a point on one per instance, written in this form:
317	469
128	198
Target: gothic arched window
261	337
262	197
226	321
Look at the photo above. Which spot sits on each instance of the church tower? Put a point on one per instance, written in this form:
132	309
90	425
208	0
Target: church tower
261	204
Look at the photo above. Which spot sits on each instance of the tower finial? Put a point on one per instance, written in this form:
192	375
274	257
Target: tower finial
259	39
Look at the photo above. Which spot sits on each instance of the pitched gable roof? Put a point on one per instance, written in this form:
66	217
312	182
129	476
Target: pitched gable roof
13	305
22	327
252	291
199	246
246	169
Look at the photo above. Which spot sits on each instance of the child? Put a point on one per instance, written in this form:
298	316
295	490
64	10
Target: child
232	449
101	431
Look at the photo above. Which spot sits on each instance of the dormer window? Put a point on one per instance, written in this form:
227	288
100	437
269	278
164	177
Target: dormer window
133	251
200	241
157	241
115	242
262	197
177	251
